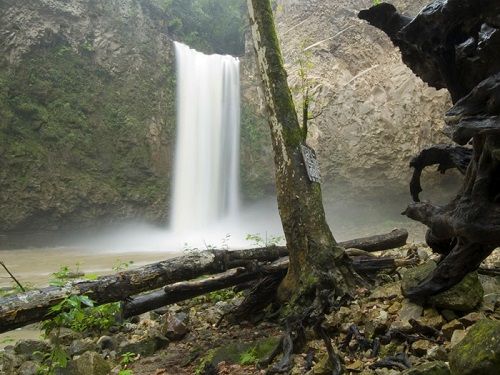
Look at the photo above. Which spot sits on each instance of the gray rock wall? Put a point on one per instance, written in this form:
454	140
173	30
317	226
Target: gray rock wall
375	114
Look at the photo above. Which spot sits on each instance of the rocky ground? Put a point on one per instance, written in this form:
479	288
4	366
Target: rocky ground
378	332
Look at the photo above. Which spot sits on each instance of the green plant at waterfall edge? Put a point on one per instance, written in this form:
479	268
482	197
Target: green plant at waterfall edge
259	241
121	266
377	2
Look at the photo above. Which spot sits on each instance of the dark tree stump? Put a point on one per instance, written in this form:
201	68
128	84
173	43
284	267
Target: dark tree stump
455	44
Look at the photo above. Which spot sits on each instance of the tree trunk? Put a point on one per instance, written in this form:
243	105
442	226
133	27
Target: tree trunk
316	260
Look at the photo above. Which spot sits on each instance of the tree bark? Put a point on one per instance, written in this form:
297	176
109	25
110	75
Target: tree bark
317	262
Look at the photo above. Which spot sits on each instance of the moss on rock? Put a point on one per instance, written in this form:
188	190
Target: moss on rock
479	352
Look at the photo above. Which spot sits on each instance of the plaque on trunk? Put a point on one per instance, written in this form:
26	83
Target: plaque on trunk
311	163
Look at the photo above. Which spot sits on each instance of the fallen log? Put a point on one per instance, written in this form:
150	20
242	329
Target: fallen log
185	290
386	241
33	306
189	289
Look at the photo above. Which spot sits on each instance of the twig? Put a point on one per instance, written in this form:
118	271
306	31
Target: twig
12	276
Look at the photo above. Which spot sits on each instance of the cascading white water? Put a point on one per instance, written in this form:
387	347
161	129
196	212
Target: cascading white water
206	171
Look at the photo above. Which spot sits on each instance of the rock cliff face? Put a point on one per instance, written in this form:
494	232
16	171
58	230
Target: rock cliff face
87	112
87	107
375	114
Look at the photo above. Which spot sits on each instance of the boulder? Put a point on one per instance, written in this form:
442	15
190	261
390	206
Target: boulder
429	368
89	363
479	351
175	326
28	368
29	348
78	347
464	296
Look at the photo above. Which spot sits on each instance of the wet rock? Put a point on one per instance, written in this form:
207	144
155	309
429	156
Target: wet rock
78	347
394	308
449	315
413	276
479	351
465	296
429	368
175	326
437	353
144	346
386	291
376	322
432	318
28	368
322	367
420	347
64	337
409	310
106	343
9	362
457	336
29	347
89	363
471	318
451	327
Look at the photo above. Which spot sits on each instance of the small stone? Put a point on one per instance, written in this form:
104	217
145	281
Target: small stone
78	347
394	308
175	327
144	346
471	318
29	347
479	351
423	254
386	291
456	337
409	310
437	353
28	368
355	366
432	318
420	347
89	363
449	315
106	343
429	368
65	336
451	327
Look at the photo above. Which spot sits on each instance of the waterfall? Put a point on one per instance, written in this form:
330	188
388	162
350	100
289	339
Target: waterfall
206	170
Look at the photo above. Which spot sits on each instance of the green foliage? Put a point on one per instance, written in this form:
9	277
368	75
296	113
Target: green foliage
204	362
71	129
211	26
249	357
259	241
79	314
127	359
377	2
121	265
15	289
62	276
